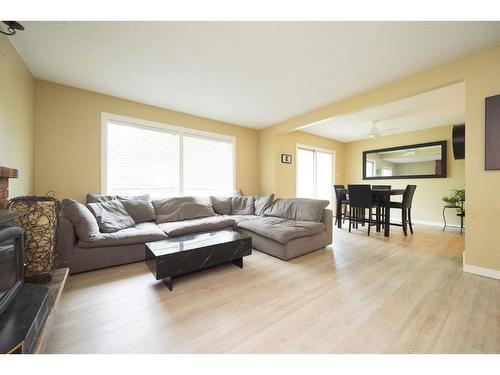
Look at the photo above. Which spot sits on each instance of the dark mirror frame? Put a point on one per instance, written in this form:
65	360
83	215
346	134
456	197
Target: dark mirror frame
444	158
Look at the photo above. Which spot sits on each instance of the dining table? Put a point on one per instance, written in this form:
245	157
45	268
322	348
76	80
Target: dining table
382	198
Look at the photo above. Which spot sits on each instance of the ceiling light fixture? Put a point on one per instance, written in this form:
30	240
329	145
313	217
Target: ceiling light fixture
12	26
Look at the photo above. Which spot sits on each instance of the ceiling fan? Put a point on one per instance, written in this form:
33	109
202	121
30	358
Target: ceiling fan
375	132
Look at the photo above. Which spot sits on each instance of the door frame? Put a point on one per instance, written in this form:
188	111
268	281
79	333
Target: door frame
314	148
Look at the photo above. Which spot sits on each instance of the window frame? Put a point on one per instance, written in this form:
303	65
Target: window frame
146	124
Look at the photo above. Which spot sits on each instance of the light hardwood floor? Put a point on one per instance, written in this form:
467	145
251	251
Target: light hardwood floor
361	295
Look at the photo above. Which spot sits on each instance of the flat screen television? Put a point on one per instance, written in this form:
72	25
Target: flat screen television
11	264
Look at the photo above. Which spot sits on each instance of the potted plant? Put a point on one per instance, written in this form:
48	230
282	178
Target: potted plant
457	199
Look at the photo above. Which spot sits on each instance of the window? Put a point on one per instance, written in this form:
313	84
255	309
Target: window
164	161
370	165
208	166
314	174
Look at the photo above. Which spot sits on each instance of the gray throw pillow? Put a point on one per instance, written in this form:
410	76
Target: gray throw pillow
222	205
139	208
111	216
302	209
182	208
82	219
243	205
262	204
97	198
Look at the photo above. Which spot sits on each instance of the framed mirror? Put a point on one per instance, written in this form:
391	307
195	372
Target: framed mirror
424	160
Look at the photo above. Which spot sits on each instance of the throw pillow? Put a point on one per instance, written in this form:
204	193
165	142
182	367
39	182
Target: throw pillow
222	205
182	208
82	219
262	204
97	198
244	205
139	208
111	216
302	209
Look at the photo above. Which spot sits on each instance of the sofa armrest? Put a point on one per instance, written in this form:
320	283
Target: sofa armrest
327	219
66	239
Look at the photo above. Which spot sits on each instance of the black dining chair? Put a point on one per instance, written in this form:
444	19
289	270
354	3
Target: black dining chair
341	198
360	200
405	207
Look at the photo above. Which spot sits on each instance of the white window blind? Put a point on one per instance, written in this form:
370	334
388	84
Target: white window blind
208	166
166	162
142	160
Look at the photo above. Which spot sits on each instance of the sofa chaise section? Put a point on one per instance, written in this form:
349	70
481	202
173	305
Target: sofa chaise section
287	239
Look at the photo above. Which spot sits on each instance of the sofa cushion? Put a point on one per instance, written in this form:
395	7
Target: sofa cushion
182	208
222	205
240	218
180	228
139	208
97	198
302	209
82	219
263	203
243	205
111	216
282	230
141	233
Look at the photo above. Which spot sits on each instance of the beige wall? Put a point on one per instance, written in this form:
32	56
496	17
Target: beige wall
287	143
16	118
68	138
427	203
481	74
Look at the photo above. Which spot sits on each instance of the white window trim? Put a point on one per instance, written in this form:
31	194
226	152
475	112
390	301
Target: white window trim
140	123
314	148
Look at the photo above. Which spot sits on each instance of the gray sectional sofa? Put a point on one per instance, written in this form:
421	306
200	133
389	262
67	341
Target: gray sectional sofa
112	230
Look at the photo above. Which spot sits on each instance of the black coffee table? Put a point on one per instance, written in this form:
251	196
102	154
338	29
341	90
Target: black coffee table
185	254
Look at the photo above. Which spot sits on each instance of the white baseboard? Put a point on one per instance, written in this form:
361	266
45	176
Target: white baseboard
431	223
486	272
435	223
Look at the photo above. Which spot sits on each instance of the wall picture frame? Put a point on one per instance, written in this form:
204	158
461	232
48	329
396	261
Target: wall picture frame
286	158
492	133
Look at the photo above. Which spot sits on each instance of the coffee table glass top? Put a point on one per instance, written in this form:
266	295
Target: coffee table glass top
193	241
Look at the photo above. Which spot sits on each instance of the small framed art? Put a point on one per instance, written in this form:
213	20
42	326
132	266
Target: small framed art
286	158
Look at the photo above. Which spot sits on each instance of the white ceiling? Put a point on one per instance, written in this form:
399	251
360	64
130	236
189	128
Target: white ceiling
444	106
253	74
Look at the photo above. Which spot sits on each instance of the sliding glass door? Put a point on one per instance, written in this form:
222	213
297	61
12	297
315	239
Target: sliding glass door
314	174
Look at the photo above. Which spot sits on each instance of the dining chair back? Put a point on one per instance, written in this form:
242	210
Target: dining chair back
360	199
342	202
360	195
405	207
408	195
339	192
